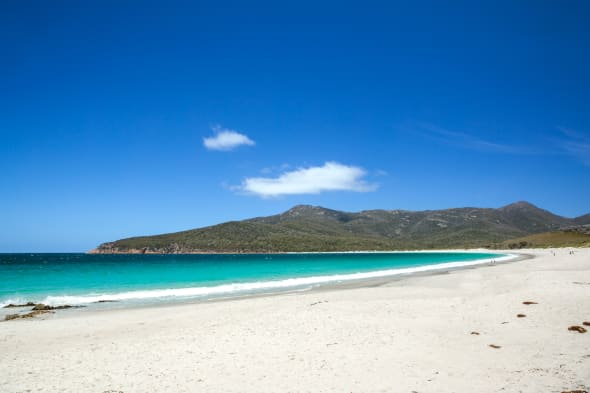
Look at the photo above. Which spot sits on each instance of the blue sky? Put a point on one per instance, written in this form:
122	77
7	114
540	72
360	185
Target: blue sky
122	118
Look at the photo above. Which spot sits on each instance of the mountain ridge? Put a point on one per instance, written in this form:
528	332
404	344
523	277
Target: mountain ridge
315	228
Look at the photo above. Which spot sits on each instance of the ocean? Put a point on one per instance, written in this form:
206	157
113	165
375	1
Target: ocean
84	279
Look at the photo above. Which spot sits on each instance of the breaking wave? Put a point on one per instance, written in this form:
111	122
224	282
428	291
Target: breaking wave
234	289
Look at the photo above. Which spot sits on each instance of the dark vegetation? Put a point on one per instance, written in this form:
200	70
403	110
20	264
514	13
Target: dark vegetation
311	228
562	238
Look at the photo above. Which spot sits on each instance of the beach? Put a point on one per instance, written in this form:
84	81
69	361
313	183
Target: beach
455	331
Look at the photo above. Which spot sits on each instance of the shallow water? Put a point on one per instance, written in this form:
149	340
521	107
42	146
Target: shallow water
83	278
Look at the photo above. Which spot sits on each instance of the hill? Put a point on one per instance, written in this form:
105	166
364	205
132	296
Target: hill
314	228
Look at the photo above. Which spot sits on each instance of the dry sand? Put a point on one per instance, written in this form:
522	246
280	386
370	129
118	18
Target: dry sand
410	335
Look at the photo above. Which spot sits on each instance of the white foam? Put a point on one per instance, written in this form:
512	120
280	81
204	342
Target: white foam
6	302
249	287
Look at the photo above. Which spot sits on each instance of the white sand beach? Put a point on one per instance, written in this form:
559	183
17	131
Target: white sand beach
410	335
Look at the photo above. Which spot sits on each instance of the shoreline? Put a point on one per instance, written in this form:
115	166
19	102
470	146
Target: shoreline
452	331
164	295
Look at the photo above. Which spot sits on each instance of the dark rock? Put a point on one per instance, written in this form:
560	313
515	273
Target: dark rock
29	304
41	306
27	315
578	329
494	346
520	315
529	303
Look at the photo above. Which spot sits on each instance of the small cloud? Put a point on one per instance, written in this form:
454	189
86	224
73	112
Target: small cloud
468	141
381	172
332	176
569	142
575	144
226	139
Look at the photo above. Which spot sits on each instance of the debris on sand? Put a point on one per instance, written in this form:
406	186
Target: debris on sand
27	315
528	303
576	328
494	346
520	315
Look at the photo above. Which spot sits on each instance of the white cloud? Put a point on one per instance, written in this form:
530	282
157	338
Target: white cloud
226	139
332	176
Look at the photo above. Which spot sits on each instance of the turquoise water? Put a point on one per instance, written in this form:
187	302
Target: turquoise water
82	278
